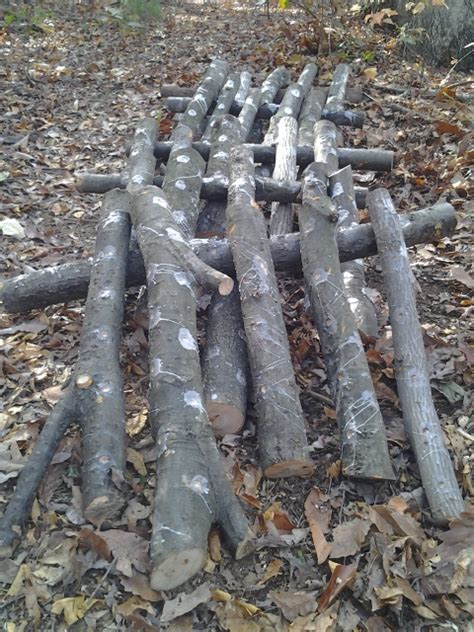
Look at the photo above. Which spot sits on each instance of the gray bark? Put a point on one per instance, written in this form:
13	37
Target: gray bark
309	116
223	105
69	282
280	424
343	196
281	220
364	443
419	414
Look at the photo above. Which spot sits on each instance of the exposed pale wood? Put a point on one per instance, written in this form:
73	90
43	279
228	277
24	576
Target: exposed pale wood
364	443
70	281
281	432
413	383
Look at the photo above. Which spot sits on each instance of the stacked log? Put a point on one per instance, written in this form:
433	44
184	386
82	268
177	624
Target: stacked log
413	383
69	281
281	432
364	444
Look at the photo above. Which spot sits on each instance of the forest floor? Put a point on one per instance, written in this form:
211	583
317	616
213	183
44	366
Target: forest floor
74	86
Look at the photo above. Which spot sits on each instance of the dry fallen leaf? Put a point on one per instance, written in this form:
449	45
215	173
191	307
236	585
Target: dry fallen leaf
341	577
185	602
349	537
318	513
293	604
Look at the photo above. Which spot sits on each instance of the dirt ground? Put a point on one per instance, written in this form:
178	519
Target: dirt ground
75	81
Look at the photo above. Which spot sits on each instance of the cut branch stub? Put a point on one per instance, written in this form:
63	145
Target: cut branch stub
413	384
94	396
204	96
280	424
364	443
192	490
69	282
342	193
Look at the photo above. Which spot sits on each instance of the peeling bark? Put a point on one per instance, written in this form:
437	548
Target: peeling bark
69	282
364	443
413	384
280	424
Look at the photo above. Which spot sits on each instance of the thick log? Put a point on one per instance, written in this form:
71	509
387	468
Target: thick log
94	395
224	360
343	196
292	102
364	442
204	96
281	432
223	105
353	94
69	282
360	159
310	114
281	219
248	113
413	384
141	161
337	89
192	490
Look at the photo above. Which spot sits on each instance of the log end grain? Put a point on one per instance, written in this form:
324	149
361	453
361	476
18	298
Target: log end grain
226	286
177	569
224	418
284	469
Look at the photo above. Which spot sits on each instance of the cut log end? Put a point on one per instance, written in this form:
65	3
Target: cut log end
226	286
368	471
177	569
286	469
224	418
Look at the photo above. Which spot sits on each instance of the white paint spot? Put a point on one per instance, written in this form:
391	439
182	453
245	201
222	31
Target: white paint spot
221	106
113	218
187	340
137	179
337	189
106	293
287	110
192	398
295	92
214	396
192	113
197	483
182	278
159	200
174	234
183	158
221	155
223	138
180	184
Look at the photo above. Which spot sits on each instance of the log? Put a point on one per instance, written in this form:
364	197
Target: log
192	491
223	105
310	114
343	196
213	188
69	281
281	219
337	89
94	394
292	102
360	159
224	360
268	110
248	113
364	443
225	365
141	161
278	78
204	96
413	384
353	94
281	432
244	88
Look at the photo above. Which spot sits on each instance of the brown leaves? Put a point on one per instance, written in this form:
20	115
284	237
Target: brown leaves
318	513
